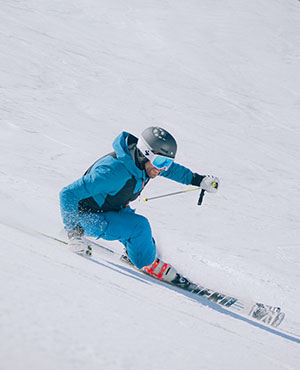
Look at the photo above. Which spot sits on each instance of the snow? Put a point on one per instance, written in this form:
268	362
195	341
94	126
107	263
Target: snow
223	77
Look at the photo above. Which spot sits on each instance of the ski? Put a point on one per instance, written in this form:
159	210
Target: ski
270	315
166	273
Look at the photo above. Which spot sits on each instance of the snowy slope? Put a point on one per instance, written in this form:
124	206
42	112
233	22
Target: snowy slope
224	78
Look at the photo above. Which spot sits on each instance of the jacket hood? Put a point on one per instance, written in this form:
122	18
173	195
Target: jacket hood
120	146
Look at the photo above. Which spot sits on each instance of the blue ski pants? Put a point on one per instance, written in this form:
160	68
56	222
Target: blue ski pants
132	230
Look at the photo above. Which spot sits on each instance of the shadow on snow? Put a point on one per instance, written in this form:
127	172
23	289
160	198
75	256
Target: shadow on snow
127	271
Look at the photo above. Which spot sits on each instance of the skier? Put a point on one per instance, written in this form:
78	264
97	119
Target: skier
97	205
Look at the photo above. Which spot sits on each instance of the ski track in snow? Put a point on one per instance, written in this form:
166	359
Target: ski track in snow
224	79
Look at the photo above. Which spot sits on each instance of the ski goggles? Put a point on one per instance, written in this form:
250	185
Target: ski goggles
159	161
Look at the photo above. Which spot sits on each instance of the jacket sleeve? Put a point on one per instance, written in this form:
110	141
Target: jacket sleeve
101	180
178	173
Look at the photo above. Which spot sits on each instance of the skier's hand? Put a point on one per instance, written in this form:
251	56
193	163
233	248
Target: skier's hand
210	184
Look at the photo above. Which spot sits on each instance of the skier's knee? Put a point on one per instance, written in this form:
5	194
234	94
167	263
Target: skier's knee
143	225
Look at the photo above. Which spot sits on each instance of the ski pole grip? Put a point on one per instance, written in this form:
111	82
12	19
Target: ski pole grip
201	197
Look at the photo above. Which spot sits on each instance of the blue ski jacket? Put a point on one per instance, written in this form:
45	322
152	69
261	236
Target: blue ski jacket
111	183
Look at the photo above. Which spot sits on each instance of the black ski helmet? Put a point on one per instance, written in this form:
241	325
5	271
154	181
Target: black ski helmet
160	141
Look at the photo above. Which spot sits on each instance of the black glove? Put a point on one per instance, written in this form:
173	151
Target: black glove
76	233
196	180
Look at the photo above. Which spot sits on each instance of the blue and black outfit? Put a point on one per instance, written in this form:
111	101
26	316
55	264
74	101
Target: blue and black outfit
98	201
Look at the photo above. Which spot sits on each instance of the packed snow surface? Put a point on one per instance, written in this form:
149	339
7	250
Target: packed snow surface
223	77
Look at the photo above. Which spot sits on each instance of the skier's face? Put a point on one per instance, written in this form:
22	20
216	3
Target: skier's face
151	171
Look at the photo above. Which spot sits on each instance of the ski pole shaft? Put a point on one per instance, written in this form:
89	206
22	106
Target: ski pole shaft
169	194
53	238
202	193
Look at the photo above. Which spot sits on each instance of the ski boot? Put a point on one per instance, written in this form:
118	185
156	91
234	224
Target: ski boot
78	243
167	273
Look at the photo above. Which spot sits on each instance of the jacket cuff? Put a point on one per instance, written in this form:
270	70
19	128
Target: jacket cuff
196	179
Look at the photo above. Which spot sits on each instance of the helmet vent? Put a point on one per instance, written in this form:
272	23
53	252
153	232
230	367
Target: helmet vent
159	133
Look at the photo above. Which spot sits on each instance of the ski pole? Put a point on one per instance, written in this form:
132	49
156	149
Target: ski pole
167	195
202	193
201	197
